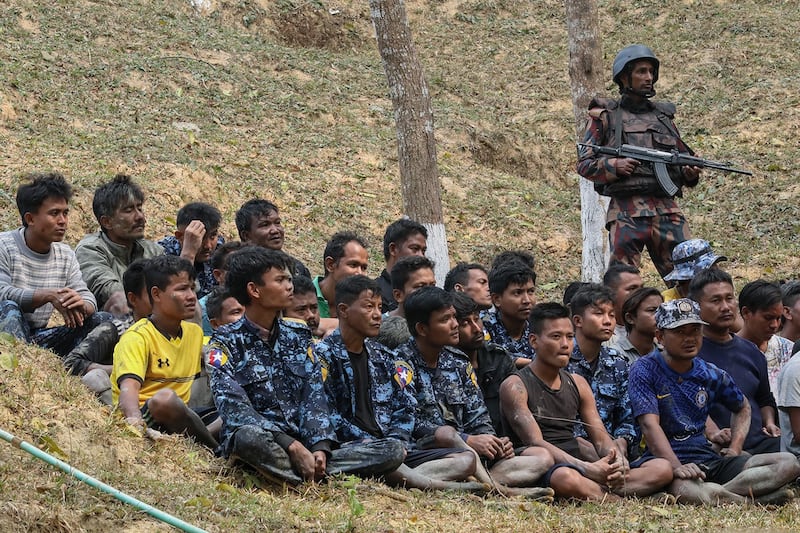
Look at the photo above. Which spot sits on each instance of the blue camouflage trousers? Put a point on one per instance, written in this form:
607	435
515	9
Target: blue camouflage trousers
68	343
629	236
256	447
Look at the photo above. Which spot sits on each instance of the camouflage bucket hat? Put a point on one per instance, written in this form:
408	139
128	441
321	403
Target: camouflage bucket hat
677	313
690	257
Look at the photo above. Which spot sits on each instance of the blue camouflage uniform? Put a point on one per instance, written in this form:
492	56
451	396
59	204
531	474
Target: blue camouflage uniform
269	392
609	383
498	334
393	405
447	395
205	274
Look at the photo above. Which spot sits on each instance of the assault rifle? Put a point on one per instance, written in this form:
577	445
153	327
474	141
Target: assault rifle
660	160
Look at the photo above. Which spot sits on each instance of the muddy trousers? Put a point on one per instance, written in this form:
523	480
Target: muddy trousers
257	447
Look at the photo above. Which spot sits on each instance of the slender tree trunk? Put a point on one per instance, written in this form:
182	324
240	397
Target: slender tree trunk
586	78
416	146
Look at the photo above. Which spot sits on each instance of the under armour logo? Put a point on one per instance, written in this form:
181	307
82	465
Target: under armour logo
164	362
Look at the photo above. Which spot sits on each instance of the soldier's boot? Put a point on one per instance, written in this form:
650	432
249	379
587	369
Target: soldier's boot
97	348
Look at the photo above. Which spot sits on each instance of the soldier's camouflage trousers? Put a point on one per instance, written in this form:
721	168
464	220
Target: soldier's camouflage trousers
659	234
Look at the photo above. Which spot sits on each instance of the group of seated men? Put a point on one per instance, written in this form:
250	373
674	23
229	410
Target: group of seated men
619	390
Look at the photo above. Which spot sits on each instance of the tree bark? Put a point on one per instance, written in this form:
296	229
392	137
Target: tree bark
416	146
586	80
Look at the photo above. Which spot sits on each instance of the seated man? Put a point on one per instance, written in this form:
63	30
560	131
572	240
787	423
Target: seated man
790	295
672	393
450	409
222	308
761	307
472	279
540	407
157	359
492	363
639	312
218	264
622	279
403	238
712	289
259	223
345	255
367	403
268	385
105	255
605	371
513	288
39	273
196	237
304	305
408	275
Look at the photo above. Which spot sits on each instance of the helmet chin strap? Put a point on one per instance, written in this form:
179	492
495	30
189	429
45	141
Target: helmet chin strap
642	94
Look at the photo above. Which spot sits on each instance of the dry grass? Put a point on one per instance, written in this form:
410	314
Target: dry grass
285	100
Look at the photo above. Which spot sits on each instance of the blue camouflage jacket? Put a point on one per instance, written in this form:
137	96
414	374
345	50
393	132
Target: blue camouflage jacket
609	383
498	334
446	395
392	404
205	274
274	383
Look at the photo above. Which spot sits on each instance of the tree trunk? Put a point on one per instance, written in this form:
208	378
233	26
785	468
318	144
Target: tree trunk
586	79
416	147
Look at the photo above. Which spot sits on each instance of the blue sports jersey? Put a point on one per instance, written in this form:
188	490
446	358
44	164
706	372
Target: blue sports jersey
682	402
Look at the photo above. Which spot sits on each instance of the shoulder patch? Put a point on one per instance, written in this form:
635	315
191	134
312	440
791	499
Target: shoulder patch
323	365
216	356
471	374
403	373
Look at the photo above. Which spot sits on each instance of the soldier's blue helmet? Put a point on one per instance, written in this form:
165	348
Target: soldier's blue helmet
633	52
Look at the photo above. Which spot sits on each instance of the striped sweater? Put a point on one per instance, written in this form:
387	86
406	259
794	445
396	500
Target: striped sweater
23	271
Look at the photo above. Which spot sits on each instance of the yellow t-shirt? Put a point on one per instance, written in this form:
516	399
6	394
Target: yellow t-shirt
158	362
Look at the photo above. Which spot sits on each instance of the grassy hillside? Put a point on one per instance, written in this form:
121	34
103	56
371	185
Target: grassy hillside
286	99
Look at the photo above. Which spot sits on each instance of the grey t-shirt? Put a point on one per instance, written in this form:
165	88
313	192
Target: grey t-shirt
788	396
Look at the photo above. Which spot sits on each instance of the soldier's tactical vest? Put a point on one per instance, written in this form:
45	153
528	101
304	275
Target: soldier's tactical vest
650	128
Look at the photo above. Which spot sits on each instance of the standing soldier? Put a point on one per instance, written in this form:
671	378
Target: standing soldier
641	214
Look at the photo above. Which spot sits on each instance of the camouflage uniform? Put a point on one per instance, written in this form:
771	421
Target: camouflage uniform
498	334
609	383
640	214
205	274
269	392
393	405
446	395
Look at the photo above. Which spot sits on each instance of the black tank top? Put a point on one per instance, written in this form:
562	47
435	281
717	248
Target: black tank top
554	410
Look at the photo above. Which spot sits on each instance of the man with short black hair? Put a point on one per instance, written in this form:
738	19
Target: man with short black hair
408	275
195	239
605	370
673	392
450	408
513	289
259	223
39	273
472	279
622	279
492	363
268	384
403	238
790	294
368	403
105	254
541	405
304	304
713	290
345	255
